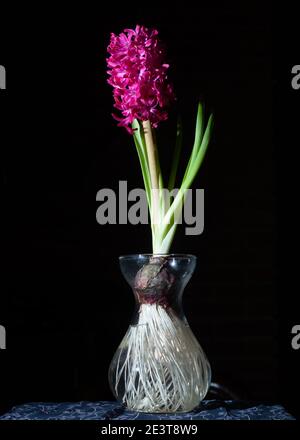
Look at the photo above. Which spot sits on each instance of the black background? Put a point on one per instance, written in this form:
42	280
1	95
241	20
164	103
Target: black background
64	303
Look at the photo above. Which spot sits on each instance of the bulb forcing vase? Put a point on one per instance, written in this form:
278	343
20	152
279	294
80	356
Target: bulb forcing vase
159	366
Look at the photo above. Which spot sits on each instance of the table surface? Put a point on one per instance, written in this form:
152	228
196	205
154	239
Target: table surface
207	410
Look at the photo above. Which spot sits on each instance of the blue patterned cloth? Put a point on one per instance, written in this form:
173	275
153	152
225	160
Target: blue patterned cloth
207	410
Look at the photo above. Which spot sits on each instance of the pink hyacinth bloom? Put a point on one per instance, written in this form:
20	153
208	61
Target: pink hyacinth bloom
138	74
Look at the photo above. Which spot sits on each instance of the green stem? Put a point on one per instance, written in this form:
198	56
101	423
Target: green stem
154	177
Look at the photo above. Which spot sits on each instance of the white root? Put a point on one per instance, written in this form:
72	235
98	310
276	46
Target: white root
160	366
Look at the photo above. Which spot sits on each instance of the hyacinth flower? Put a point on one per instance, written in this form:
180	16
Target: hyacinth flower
138	73
159	365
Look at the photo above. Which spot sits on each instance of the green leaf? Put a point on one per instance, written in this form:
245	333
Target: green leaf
161	196
167	241
161	201
198	137
197	161
163	232
191	172
176	155
142	154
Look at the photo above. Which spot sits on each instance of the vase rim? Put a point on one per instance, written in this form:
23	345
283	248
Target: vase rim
179	256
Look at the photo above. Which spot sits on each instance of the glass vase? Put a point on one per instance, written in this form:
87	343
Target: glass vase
159	366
